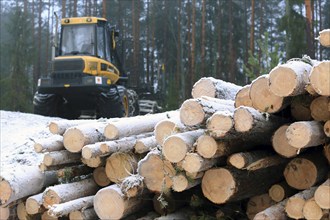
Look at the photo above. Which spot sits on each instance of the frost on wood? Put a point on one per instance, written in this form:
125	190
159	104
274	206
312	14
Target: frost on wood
64	209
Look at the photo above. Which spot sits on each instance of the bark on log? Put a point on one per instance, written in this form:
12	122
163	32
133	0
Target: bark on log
84	214
322	195
59	127
305	134
244	159
263	99
64	209
274	212
52	143
257	204
75	138
295	204
145	145
34	204
243	97
220	124
306	170
320	78
300	107
4	213
176	146
181	183
267	162
221	185
135	125
194	163
100	177
66	192
311	210
281	191
319	108
157	172
326	128
70	172
324	37
281	144
13	184
195	112
60	157
215	88
120	165
167	127
289	79
132	185
120	205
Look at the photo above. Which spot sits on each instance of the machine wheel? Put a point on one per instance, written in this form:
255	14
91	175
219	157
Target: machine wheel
46	104
110	104
133	101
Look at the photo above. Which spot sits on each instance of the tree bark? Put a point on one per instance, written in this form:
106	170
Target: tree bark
100	177
306	170
84	214
257	204
311	210
324	37
274	212
319	108
59	127
60	157
176	146
242	97
280	191
289	79
220	124
52	143
320	79
281	144
300	107
322	193
243	160
215	88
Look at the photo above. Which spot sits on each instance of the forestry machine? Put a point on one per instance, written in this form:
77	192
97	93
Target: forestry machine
86	75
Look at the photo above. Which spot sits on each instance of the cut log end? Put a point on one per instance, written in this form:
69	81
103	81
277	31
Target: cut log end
322	195
111	132
237	161
100	177
243	120
277	193
203	87
243	97
320	79
73	140
180	183
283	81
5	191
281	144
311	210
32	206
50	198
191	113
53	128
174	149
219	124
206	146
294	207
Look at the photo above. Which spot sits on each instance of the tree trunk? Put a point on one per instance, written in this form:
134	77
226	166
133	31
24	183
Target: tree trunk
289	79
281	144
176	146
120	205
135	125
305	134
120	165
263	99
220	124
319	108
215	88
326	128
145	145
167	127
221	185
306	170
181	182
75	138
309	28
157	172
60	157
324	37
311	210
52	143
322	193
242	97
132	185
60	126
300	107
84	214
320	79
64	209
244	159
100	177
194	163
274	212
257	204
195	112
34	204
280	191
69	191
13	185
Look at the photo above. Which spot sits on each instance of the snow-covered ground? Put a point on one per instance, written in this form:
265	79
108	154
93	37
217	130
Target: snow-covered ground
18	132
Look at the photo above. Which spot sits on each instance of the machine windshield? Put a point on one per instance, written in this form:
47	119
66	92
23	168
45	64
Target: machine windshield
78	39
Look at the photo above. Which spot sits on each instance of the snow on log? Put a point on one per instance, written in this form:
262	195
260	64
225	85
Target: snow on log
300	107
242	97
257	204
322	195
100	177
59	127
84	214
132	185
320	78
319	108
274	212
215	88
52	143
281	144
281	191
60	157
220	124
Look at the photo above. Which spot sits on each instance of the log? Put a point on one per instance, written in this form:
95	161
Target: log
167	127
319	78
132	185
319	108
4	213
263	99
13	183
195	112
215	88
322	195
60	157
306	170
280	191
34	204
21	212
326	128
45	216
157	171
242	160
257	204
135	125
274	212
324	37
326	152
100	177
59	127
289	79
69	172
305	134
176	146
69	191
94	162
242	97
295	204
194	163
311	210
221	185
120	165
145	145
120	205
300	107
64	209
84	214
75	138
281	144
52	143
220	124
182	183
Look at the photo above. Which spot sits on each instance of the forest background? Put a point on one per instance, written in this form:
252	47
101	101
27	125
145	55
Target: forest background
165	45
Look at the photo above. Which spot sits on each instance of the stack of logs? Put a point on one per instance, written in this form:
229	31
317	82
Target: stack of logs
265	145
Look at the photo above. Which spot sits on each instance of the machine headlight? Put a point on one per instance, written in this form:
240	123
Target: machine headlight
92	65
